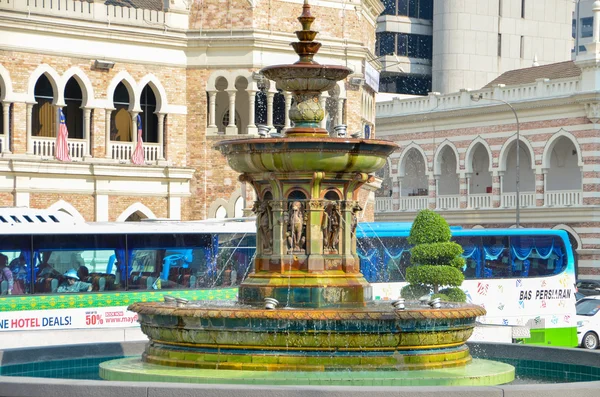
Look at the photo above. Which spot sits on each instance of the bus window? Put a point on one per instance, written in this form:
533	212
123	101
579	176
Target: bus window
17	250
383	259
473	254
235	257
170	261
537	255
89	255
496	257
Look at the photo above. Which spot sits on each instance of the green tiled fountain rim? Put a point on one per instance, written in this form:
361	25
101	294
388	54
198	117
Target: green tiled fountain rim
75	368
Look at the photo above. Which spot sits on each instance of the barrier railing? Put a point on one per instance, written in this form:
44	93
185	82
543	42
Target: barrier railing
384	204
480	200
45	147
447	202
509	200
563	198
415	203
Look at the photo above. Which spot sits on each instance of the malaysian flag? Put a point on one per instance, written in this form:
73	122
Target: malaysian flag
61	151
138	153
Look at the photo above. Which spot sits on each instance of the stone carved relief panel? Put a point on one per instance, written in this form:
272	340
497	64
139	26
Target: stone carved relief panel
330	228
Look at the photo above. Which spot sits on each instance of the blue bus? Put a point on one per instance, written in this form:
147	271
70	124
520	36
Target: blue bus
522	277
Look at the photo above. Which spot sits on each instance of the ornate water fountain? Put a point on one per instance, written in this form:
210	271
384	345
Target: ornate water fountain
306	307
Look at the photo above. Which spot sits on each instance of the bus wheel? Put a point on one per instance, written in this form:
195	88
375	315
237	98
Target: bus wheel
590	341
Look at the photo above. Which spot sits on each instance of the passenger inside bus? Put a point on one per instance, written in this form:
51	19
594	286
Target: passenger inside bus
72	283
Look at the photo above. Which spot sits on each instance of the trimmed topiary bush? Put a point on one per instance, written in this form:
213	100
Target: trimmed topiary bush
436	261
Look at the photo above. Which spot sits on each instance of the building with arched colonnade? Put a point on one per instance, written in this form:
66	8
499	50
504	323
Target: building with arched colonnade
458	156
175	77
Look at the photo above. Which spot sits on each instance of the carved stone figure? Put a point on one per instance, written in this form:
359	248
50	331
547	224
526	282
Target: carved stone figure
264	222
331	231
296	224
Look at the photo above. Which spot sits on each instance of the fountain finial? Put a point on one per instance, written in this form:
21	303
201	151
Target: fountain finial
306	48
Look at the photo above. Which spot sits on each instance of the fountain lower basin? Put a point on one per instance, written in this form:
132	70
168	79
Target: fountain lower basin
375	337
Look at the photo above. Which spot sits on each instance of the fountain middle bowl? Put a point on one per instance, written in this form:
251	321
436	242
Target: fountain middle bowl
306	154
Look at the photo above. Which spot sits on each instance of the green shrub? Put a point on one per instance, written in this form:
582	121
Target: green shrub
434	276
435	254
427	228
436	261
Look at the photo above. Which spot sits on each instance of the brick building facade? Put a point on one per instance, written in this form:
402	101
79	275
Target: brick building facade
188	69
459	154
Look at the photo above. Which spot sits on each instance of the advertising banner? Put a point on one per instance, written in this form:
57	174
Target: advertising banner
76	318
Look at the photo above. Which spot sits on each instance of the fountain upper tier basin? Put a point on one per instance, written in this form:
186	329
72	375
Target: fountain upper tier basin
305	154
306	77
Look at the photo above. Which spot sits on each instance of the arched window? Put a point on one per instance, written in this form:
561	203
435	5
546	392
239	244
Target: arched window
279	111
221	213
448	183
225	121
297	195
481	177
260	108
332	195
43	121
136	217
149	118
73	111
120	119
526	172
564	172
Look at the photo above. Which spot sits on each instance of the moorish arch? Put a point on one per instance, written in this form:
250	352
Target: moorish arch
6	89
404	156
563	163
551	143
137	208
507	165
479	141
130	84
62	205
437	157
159	91
54	79
524	144
446	165
87	89
217	207
413	172
478	167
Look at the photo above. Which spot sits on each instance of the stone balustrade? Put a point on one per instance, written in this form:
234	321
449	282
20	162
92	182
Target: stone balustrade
95	11
558	198
122	151
45	147
542	88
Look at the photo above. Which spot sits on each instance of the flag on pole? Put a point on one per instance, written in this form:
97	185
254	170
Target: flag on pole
61	150
138	154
